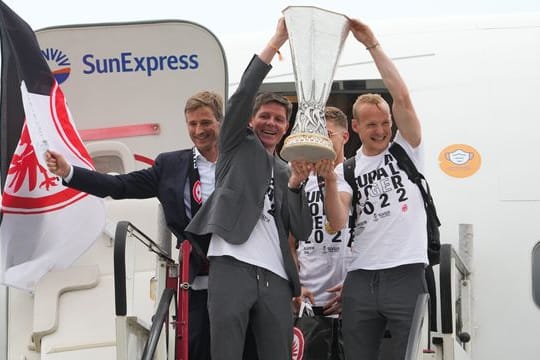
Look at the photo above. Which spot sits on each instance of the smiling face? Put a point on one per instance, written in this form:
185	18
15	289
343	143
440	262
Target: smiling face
203	128
373	124
270	123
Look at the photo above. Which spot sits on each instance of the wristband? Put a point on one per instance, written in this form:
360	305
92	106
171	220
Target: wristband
276	49
372	46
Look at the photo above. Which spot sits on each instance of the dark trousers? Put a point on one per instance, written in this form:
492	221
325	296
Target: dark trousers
199	329
242	296
199	326
375	300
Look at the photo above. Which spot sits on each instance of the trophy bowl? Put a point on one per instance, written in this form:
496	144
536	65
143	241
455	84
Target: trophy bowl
308	146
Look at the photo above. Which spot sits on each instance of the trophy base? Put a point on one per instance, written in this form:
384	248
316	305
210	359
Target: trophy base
307	147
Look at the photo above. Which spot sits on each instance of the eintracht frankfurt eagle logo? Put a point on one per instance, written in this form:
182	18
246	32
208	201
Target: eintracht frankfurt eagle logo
298	344
30	188
197	194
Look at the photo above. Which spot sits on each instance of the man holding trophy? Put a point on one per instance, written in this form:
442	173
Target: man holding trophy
389	254
257	202
386	274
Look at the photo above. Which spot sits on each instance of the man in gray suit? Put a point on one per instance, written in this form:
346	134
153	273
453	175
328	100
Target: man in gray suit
257	202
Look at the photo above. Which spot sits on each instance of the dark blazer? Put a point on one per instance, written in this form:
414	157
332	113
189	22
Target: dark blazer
243	171
166	180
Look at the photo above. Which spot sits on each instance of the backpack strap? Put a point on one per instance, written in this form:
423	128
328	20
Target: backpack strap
406	164
348	173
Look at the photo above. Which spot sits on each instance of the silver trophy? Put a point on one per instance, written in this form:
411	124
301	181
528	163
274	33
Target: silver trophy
316	37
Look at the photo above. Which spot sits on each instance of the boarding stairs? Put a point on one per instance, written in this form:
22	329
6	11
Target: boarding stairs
150	285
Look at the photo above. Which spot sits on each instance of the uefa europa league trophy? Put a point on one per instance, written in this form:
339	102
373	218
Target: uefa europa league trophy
316	37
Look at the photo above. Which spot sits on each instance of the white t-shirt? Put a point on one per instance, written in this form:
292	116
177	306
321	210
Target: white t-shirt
262	247
322	257
391	223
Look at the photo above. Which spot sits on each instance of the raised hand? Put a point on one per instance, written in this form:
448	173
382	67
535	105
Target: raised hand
363	33
325	168
57	164
300	172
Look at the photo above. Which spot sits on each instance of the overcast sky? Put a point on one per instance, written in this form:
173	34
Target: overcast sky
224	17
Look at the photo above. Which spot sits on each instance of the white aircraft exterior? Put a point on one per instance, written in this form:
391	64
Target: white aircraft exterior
474	82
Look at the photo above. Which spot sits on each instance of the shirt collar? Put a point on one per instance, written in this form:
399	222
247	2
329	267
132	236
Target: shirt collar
200	157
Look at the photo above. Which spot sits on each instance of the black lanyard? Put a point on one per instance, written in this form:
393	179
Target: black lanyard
195	186
320	183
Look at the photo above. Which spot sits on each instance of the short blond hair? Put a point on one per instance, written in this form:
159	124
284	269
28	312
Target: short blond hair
374	99
336	116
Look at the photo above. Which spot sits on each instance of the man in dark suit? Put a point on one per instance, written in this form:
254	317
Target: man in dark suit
181	180
257	202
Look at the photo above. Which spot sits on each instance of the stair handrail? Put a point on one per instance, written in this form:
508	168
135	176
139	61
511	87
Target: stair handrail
446	288
123	230
415	334
158	320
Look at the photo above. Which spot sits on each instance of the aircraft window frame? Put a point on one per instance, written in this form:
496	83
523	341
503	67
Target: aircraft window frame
536	274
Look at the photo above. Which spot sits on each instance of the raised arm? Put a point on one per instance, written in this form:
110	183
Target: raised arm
336	203
140	184
240	104
275	43
404	114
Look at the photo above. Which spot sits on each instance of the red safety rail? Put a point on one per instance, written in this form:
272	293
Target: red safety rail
180	282
182	326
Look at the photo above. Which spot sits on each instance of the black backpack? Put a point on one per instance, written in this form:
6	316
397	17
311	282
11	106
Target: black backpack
405	163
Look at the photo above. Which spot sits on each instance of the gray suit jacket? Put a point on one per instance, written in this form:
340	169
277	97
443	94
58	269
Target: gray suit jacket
243	172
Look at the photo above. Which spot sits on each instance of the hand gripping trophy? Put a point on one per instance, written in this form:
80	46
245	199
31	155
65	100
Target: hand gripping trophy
316	38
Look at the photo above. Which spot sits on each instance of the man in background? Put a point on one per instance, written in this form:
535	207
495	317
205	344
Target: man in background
322	259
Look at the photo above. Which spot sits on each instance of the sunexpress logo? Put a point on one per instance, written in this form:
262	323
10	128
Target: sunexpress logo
127	62
58	62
